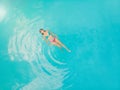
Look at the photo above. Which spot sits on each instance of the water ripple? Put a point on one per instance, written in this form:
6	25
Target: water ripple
26	44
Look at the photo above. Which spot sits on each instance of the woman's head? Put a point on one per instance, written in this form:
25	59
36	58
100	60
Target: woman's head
42	31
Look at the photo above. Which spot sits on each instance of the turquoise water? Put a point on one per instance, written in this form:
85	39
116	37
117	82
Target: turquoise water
90	28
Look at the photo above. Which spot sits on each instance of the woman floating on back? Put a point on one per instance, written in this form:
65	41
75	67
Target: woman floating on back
49	36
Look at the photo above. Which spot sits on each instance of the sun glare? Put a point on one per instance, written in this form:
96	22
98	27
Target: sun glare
2	13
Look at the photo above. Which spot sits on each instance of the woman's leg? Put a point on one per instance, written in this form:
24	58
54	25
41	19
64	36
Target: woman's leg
56	44
61	44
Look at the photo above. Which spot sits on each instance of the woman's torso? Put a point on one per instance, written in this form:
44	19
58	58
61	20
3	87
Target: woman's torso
49	36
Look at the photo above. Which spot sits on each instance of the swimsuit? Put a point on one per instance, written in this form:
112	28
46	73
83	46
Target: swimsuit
48	35
53	40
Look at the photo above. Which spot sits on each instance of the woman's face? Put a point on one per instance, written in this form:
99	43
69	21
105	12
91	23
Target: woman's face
42	32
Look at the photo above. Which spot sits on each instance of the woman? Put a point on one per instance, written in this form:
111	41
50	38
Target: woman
48	36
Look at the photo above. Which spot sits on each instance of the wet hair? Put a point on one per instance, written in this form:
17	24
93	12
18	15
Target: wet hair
41	30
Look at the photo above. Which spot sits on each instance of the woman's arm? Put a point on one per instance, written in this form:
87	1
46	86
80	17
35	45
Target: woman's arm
53	34
46	40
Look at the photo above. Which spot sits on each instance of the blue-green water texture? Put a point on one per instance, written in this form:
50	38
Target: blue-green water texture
89	28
